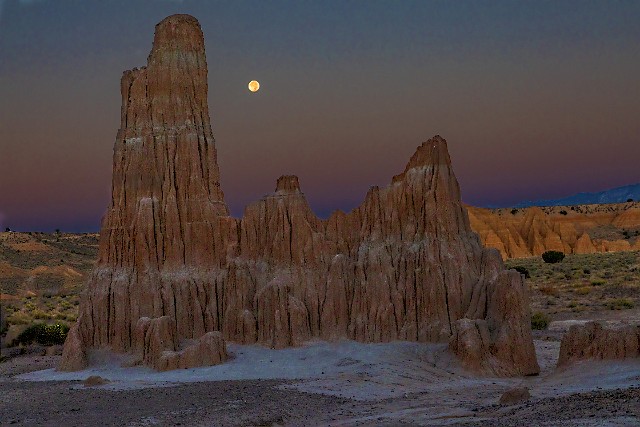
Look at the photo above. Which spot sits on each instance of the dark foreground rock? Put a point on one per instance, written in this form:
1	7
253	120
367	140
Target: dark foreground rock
591	409
514	396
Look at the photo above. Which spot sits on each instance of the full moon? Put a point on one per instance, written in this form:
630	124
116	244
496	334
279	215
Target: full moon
254	85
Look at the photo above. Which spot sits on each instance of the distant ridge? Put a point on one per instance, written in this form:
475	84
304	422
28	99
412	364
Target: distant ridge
613	195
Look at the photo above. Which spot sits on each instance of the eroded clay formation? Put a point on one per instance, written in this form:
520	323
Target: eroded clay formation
174	267
597	341
583	229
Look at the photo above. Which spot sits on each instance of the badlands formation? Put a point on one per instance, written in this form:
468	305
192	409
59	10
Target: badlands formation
598	341
176	276
582	229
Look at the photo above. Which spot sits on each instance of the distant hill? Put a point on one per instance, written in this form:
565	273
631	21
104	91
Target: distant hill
580	229
41	278
614	195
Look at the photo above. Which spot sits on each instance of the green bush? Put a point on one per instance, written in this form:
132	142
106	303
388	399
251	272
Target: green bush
522	270
552	257
620	304
540	321
42	333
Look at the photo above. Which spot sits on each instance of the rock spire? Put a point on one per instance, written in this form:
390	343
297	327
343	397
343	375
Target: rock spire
174	267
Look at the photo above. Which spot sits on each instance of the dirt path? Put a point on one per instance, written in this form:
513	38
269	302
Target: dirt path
348	384
224	403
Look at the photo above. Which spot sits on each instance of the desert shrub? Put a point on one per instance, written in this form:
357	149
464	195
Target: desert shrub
552	257
620	304
522	270
563	212
629	200
540	321
583	290
549	290
40	315
598	282
43	334
18	318
514	211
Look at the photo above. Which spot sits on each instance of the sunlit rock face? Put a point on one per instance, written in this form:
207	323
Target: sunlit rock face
174	266
521	233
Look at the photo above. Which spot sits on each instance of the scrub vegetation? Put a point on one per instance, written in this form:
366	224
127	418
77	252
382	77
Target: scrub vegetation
582	283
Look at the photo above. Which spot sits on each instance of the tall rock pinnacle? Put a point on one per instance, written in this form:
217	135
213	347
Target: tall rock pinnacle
177	276
166	183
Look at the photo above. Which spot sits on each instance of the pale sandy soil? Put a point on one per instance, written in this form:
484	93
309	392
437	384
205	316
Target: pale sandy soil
332	384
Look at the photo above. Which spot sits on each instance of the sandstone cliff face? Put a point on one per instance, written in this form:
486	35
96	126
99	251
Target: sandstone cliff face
174	267
595	341
570	229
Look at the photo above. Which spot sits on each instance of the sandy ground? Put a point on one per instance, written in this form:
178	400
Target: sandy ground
333	384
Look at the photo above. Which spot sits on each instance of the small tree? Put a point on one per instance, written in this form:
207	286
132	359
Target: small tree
514	211
7	229
629	200
552	257
563	212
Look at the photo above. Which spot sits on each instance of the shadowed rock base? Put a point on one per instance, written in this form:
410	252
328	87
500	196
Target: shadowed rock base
174	267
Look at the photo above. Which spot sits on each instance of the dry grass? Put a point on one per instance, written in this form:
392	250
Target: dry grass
42	274
583	283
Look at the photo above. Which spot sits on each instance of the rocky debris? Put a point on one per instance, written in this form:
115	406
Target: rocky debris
174	266
157	345
521	233
153	337
209	350
74	355
594	340
95	380
514	396
592	408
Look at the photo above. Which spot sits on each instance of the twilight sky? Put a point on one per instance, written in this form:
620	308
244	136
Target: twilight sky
537	99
